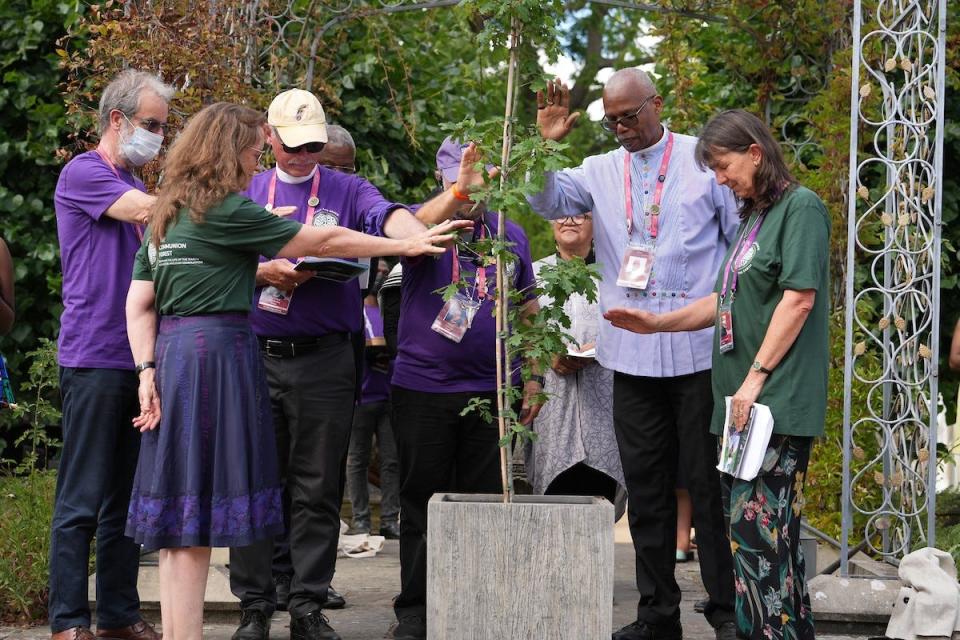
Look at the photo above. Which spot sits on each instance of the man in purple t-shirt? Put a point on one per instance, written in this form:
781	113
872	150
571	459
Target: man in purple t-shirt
305	325
100	206
439	368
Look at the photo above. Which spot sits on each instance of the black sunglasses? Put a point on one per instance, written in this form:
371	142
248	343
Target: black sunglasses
628	121
309	147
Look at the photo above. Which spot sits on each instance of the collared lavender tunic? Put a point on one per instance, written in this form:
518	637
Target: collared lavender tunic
698	221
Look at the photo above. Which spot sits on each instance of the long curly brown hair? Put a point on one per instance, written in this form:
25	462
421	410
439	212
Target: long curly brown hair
735	130
203	165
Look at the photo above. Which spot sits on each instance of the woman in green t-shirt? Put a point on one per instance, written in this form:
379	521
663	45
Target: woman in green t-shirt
769	309
207	476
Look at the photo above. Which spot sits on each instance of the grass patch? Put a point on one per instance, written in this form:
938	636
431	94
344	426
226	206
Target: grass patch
26	509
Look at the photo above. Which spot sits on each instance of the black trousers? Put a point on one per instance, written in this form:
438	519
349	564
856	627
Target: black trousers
439	451
660	423
312	399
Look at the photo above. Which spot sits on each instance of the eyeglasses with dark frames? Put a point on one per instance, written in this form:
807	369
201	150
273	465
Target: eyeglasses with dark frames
341	168
628	121
575	221
309	147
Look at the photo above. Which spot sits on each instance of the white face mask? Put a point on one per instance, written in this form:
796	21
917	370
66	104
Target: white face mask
141	147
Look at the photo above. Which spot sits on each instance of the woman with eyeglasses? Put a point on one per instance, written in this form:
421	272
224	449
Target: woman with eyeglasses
770	309
575	452
207	471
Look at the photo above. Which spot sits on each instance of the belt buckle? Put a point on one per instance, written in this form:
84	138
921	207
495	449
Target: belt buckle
273	348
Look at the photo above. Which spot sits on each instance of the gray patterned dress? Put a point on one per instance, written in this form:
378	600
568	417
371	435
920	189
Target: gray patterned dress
576	423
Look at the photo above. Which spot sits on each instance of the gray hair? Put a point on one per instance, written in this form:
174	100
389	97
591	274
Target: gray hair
337	135
123	94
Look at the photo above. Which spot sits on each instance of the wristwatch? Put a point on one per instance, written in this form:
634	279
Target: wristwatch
537	379
146	364
756	366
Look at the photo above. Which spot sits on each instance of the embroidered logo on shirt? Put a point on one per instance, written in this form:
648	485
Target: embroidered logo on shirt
746	260
152	255
325	218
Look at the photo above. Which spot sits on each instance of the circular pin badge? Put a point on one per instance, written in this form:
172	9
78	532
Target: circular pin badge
313	201
654	209
268	206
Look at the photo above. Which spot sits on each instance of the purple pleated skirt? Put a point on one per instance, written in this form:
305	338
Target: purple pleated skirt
207	476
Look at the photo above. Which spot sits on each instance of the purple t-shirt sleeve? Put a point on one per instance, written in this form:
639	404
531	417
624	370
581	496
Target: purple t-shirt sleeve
373	208
91	186
525	275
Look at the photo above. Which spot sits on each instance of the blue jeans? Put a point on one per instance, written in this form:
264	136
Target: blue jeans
94	479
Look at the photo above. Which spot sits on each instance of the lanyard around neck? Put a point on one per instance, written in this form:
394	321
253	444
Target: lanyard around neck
730	273
653	212
136	227
480	280
312	201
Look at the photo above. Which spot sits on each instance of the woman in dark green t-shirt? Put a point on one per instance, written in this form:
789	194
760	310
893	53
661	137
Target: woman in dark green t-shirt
207	476
769	310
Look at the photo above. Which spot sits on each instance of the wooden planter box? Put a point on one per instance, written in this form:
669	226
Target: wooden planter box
539	567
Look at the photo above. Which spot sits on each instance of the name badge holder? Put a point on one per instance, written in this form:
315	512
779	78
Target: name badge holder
456	315
637	264
273	299
728	291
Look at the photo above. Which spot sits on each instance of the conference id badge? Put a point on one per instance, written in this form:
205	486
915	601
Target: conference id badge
455	317
726	327
636	267
274	300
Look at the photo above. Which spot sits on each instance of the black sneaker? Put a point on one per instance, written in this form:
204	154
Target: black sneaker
410	627
641	630
254	625
390	530
334	600
282	583
727	631
313	626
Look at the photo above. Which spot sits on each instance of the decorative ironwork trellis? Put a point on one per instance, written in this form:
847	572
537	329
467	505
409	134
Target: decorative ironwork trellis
897	111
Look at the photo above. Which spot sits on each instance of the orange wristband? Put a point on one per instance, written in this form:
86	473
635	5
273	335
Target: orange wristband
458	195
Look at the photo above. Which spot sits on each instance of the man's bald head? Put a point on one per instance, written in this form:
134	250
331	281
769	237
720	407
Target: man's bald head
630	81
631	101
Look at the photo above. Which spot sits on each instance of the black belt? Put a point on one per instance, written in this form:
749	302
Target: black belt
292	347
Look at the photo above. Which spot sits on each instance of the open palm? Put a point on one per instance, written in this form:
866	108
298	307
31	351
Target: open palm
554	119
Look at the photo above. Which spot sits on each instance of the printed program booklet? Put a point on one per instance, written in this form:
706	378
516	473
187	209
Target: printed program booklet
336	269
742	452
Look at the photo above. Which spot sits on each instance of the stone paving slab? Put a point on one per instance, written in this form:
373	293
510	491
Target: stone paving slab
369	584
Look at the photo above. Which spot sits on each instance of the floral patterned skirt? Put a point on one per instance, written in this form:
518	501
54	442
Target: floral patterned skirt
207	475
764	519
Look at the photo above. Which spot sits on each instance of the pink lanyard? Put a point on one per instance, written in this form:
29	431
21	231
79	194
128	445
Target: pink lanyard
312	202
743	245
481	273
654	211
106	160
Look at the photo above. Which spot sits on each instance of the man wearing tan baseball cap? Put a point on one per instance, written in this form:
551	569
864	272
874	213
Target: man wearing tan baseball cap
305	327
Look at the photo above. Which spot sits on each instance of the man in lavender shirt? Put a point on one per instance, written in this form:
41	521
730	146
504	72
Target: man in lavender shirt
682	223
100	206
304	325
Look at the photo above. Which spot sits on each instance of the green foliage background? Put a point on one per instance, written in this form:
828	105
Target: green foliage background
395	80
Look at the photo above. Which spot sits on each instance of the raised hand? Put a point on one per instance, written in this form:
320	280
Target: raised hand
554	119
634	320
469	178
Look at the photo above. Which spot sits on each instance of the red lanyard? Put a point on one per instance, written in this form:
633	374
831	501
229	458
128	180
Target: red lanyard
481	273
312	201
654	211
106	160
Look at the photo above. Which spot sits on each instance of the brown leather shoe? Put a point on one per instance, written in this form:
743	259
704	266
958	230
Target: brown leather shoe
75	633
138	631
